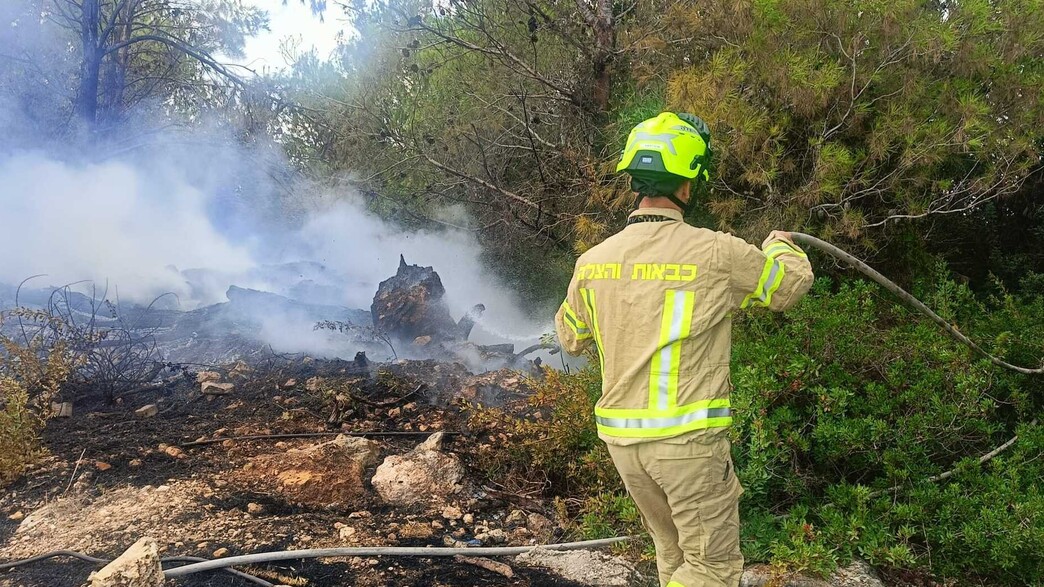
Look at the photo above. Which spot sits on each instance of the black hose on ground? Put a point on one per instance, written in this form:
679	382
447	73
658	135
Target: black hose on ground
102	561
811	241
53	554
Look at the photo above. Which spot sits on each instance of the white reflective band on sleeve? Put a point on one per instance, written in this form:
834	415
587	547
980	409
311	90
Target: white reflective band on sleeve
664	422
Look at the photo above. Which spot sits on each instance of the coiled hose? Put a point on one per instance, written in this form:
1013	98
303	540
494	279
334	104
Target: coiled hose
811	241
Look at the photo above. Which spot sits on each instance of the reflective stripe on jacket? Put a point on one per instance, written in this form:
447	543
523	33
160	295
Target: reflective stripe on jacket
656	300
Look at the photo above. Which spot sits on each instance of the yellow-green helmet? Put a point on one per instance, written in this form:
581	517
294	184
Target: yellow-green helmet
678	144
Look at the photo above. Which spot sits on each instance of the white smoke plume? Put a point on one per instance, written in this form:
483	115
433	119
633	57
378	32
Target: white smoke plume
191	209
107	222
366	251
144	231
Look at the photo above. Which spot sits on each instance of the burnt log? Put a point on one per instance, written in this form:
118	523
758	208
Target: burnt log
411	304
467	322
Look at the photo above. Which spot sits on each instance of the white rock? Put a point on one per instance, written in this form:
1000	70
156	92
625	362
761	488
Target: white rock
204	376
434	442
422	475
139	566
212	388
587	567
147	411
857	574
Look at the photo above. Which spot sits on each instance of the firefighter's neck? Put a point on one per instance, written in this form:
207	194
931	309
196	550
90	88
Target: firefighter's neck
682	193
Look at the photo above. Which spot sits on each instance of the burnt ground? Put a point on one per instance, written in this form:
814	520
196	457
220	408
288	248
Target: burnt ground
110	477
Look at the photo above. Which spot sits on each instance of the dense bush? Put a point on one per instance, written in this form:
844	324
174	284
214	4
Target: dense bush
845	407
32	372
849	396
554	445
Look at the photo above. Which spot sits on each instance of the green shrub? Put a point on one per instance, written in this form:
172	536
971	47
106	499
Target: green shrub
554	442
32	372
837	402
849	395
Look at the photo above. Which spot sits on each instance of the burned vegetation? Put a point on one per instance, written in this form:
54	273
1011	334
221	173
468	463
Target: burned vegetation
249	450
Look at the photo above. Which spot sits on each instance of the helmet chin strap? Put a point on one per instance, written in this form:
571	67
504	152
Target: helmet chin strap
685	206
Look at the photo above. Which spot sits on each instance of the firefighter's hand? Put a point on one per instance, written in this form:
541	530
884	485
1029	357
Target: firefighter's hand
550	340
777	235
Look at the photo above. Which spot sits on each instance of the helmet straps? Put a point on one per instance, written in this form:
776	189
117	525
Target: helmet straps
685	206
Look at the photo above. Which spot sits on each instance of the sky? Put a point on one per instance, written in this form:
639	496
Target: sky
293	22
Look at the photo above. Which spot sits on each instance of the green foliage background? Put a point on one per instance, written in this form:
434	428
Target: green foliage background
846	407
850	395
906	132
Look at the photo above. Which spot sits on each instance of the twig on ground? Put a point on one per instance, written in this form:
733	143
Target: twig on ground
312	435
75	469
946	475
488	564
389	402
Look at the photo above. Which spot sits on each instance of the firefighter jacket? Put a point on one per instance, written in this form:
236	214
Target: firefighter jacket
656	299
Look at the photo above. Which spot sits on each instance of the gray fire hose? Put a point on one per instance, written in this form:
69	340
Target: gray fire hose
811	241
266	557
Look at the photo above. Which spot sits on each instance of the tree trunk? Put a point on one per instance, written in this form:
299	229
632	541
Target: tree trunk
90	66
605	46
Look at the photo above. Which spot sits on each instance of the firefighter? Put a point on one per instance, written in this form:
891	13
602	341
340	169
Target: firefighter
657	300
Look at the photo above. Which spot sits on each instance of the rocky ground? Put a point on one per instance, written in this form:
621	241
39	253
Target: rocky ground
117	473
173	465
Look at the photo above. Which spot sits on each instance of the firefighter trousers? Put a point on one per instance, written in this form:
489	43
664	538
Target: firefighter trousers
688	496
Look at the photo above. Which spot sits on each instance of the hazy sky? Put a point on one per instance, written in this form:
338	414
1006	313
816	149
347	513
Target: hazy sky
293	22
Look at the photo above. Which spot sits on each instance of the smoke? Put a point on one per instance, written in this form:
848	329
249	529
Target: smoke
366	251
148	231
186	205
108	222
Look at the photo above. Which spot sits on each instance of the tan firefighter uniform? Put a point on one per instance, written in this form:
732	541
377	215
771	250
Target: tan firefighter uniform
657	300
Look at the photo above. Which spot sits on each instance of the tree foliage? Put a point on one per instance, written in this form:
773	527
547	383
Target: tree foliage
859	121
851	117
121	56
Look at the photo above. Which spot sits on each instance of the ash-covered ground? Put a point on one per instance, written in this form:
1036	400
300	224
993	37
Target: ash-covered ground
112	476
231	446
